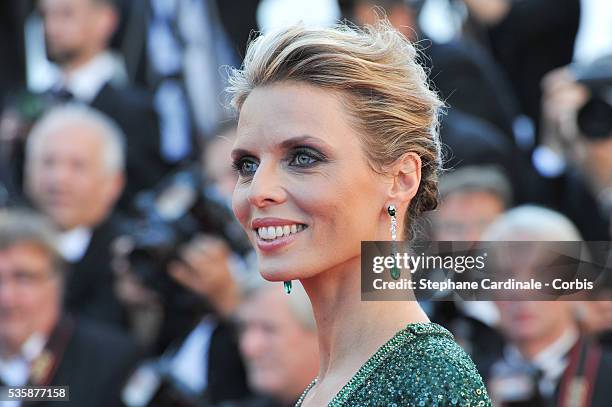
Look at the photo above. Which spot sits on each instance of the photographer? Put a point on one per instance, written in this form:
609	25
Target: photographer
205	270
548	360
187	279
201	363
576	156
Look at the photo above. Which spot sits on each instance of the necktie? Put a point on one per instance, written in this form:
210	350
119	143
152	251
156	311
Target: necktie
62	95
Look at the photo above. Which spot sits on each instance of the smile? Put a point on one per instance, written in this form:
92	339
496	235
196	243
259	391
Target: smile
270	233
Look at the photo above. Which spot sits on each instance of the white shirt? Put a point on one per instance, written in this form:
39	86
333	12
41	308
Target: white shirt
15	370
552	360
594	38
73	244
189	365
483	311
274	15
87	81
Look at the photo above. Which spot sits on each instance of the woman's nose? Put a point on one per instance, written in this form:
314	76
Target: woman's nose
266	187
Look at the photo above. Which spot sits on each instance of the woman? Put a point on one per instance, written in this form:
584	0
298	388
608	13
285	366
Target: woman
336	132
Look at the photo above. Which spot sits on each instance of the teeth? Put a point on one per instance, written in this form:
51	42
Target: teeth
263	233
271	232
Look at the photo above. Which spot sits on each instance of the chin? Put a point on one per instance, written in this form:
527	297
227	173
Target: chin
58	55
527	331
282	269
275	273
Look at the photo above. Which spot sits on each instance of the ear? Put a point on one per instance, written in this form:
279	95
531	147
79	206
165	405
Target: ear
406	174
117	185
107	22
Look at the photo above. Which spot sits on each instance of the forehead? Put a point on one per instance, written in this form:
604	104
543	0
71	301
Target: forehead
75	138
28	256
275	112
63	5
459	201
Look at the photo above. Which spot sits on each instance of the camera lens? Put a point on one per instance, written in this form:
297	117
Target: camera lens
595	119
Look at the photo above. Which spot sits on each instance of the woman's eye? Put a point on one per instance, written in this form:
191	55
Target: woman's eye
302	159
245	167
305	158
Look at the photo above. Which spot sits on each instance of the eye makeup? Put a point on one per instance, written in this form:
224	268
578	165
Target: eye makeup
298	154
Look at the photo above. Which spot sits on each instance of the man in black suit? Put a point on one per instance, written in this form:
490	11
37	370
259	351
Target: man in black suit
546	351
548	360
77	36
74	174
39	344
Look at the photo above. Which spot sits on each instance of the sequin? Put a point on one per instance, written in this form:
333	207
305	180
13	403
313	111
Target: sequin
421	366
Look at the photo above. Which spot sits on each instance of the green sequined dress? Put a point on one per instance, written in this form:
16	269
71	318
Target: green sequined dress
420	366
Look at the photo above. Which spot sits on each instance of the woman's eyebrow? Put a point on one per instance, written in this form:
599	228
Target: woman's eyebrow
292	142
285	145
239	152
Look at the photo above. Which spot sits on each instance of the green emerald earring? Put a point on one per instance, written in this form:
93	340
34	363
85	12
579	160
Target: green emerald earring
287	285
395	272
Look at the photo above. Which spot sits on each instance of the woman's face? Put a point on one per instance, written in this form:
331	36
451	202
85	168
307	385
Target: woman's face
306	195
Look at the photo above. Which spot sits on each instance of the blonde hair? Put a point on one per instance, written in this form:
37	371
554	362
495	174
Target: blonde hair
385	91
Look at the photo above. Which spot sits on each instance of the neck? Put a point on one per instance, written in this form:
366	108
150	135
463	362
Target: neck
349	330
80	60
532	347
11	349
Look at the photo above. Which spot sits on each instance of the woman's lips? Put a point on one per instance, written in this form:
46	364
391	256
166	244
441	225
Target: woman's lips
273	233
279	242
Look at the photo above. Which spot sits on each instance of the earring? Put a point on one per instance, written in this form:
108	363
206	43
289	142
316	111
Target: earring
287	285
395	272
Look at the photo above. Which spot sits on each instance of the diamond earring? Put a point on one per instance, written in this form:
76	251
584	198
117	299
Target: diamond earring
391	210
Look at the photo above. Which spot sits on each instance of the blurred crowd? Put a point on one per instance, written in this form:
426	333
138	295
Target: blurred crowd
122	271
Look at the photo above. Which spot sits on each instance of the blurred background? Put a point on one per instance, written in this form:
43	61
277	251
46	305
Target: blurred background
122	271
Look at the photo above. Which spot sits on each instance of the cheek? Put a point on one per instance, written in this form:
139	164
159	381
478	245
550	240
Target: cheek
240	206
28	304
348	209
37	175
90	185
74	26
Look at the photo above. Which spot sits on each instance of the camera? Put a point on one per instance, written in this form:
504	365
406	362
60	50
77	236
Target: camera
595	117
171	214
